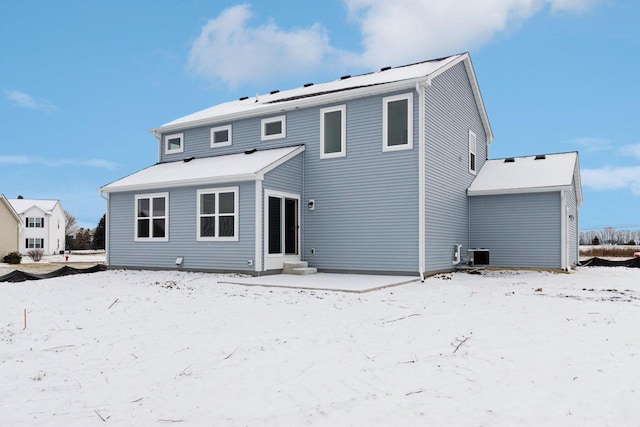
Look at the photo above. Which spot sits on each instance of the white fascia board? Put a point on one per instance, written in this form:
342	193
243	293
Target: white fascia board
578	182
298	103
517	190
260	174
181	183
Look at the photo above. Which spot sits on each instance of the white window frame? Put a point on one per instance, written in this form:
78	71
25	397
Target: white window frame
473	145
34	243
175	150
343	131
151	217
263	128
35	222
228	142
385	122
236	214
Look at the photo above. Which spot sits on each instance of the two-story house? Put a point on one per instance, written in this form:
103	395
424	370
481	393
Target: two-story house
10	225
43	225
366	173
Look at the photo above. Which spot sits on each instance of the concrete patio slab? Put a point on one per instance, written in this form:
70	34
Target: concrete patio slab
356	283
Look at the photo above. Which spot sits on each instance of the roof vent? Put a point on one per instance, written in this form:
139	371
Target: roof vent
540	157
188	159
348	76
385	68
251	151
509	160
274	91
243	98
308	84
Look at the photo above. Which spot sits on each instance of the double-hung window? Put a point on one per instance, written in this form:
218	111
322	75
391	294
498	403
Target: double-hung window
218	214
333	132
397	122
34	243
174	143
35	222
273	128
220	136
472	152
152	217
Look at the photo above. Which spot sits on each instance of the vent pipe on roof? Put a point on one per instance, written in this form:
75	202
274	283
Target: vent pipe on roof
385	68
251	151
308	84
273	92
348	76
540	157
509	160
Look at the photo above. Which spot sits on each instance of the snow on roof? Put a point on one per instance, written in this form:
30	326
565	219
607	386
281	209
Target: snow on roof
247	166
283	98
23	205
526	174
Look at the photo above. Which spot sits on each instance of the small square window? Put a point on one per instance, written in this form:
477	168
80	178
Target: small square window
273	128
220	136
333	132
397	122
174	143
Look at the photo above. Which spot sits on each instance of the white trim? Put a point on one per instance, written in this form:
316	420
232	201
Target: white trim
473	149
258	226
422	94
216	215
385	122
175	150
343	131
563	231
214	130
151	196
283	134
517	190
275	261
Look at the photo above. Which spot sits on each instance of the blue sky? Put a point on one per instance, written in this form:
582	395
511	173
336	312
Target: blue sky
81	83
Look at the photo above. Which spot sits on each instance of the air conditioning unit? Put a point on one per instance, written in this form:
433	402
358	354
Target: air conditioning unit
478	256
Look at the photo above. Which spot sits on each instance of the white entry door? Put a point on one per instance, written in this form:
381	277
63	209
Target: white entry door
282	229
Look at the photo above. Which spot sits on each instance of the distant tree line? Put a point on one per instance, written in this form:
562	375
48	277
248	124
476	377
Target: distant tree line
78	238
610	236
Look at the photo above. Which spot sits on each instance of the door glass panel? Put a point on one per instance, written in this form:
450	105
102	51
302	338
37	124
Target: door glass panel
290	226
275	229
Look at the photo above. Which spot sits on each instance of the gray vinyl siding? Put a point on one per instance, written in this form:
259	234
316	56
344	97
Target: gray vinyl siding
450	111
520	230
223	256
367	202
286	177
572	225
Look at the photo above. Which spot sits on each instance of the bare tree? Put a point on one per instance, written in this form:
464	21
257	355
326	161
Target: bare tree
71	225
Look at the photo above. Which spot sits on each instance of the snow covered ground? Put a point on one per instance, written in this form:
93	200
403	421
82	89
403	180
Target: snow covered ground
153	348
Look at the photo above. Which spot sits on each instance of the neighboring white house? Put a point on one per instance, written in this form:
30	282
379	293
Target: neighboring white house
43	225
10	224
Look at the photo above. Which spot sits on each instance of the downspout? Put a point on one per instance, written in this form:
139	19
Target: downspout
421	89
106	228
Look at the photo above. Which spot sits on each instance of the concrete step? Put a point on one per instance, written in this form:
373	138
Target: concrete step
304	270
288	267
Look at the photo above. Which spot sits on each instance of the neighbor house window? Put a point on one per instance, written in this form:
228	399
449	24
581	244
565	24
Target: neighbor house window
333	132
273	128
152	217
35	222
218	214
174	143
472	152
397	122
220	136
34	243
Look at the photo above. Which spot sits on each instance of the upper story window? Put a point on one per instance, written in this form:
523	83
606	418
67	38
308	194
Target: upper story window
273	128
35	222
333	132
174	143
472	152
397	122
218	214
152	217
221	136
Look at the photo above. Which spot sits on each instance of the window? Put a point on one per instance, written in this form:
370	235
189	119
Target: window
152	217
472	152
397	122
35	222
333	132
218	214
221	136
173	143
34	243
274	128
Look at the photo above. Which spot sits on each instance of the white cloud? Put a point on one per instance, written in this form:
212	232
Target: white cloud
632	150
57	163
612	178
590	144
231	50
25	100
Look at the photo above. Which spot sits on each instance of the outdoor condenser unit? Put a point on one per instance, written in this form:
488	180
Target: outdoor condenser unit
478	256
